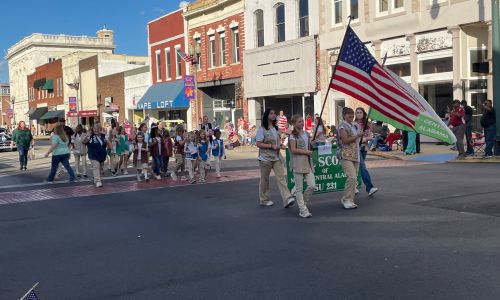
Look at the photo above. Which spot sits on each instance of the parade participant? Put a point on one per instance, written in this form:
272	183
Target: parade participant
24	141
320	138
141	156
203	153
457	124
113	147
96	146
167	153
179	149
190	155
122	150
269	144
144	129
60	153
217	151
80	151
299	142
157	150
348	154
361	118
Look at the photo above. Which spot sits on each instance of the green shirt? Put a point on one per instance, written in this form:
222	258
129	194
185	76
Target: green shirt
22	137
61	148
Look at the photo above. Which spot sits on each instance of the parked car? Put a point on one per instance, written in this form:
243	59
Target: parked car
5	140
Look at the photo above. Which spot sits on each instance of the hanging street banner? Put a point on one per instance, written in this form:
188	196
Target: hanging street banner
72	104
359	75
189	92
328	172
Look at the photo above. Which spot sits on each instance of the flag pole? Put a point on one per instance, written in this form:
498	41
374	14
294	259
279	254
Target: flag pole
331	79
34	286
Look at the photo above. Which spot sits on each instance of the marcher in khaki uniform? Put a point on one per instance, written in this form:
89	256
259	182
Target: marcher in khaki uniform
270	158
80	151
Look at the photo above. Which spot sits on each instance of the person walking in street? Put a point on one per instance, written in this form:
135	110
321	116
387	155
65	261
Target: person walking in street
24	141
457	124
299	142
361	118
60	154
348	154
179	149
488	122
122	150
204	155
217	151
141	156
157	150
96	148
113	149
168	152
468	127
191	155
80	151
269	144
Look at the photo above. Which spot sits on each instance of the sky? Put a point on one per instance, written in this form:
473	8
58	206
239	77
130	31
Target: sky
127	18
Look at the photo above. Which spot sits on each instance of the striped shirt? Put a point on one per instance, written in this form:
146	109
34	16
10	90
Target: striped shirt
282	123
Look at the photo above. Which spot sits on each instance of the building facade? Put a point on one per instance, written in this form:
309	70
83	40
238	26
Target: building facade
216	37
164	99
442	48
137	82
6	111
102	86
281	57
38	49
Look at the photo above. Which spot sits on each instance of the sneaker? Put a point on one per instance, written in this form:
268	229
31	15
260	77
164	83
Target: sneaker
49	182
372	191
356	192
487	156
348	204
290	202
218	176
267	203
305	214
78	175
85	175
174	177
113	173
158	177
98	184
139	178
125	172
192	181
201	181
147	179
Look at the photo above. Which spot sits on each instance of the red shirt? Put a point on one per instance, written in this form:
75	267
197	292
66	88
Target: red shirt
456	120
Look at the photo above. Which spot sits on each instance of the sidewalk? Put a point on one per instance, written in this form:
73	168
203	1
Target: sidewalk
435	153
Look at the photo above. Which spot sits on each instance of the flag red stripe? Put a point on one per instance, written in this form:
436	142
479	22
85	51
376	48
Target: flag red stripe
382	110
375	87
380	86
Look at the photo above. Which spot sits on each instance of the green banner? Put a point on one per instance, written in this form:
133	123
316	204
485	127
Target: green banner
328	172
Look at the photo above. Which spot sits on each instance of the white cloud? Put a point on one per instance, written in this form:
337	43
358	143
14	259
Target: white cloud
183	4
142	12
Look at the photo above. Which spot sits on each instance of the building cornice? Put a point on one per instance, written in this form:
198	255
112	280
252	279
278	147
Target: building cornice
205	6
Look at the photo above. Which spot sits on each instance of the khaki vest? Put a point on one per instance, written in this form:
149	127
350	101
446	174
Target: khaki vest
301	163
269	139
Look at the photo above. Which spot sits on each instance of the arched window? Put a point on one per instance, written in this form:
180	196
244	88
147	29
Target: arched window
280	22
303	18
259	27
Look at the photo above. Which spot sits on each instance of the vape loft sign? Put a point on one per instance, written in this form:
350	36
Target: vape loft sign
155	105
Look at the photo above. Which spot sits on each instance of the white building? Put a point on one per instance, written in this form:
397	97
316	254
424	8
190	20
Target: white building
281	61
137	82
440	47
38	49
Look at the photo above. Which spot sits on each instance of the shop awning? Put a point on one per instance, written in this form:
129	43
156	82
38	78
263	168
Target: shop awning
38	113
167	95
30	111
53	114
49	85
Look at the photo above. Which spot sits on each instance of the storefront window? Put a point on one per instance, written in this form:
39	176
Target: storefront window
437	65
479	65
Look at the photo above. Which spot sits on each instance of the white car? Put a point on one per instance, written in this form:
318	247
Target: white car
5	140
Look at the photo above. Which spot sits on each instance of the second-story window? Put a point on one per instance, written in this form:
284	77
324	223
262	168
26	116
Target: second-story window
280	22
168	62
158	66
337	11
383	6
222	49
354	9
398	4
259	27
236	45
211	51
303	18
178	62
197	42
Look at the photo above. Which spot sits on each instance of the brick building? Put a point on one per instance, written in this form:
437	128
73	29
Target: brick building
164	99
216	34
6	107
45	96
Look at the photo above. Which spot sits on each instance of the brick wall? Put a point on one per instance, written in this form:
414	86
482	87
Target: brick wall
50	71
113	86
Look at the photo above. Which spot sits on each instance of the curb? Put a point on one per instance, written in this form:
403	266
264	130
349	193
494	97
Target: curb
476	160
384	155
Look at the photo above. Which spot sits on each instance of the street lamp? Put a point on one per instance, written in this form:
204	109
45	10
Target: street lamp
195	53
13	100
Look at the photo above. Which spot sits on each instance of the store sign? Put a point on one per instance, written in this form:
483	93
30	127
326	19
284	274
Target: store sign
10	113
72	114
72	104
87	113
189	89
155	105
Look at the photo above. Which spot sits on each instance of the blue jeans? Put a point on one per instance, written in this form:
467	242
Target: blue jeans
64	160
23	155
489	137
367	180
156	164
164	163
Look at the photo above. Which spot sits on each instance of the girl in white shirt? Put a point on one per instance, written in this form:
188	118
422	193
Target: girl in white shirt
190	155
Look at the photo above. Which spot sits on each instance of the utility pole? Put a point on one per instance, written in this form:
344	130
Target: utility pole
496	67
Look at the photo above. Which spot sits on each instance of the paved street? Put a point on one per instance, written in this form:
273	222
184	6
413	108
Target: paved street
430	233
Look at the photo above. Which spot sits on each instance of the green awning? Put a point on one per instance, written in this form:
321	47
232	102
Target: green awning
53	114
37	113
49	85
39	83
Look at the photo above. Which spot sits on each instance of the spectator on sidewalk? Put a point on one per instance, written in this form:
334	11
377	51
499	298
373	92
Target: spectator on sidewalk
457	124
24	141
468	127
282	122
488	122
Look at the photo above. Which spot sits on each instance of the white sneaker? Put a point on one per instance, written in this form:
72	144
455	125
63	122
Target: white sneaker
348	204
174	177
290	202
98	184
267	203
125	172
158	177
372	191
305	214
201	181
356	192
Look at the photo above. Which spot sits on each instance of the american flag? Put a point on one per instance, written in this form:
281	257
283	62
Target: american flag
359	75
185	57
73	86
30	296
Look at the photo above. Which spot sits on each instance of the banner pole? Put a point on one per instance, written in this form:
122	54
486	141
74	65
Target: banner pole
331	79
32	288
